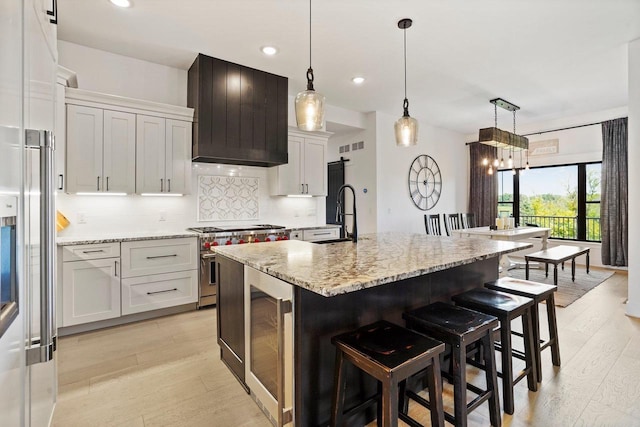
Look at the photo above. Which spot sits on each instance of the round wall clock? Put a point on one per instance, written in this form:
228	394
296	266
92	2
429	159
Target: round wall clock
425	182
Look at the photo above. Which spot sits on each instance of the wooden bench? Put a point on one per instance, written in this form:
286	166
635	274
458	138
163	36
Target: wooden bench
557	255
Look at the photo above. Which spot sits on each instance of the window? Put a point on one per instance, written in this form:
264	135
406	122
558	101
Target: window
564	198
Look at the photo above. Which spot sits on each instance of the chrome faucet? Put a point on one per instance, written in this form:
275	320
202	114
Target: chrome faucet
340	214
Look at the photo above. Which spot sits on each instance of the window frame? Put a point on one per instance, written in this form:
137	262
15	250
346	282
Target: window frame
581	220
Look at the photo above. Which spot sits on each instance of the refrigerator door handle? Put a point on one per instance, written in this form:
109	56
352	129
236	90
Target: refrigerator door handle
44	141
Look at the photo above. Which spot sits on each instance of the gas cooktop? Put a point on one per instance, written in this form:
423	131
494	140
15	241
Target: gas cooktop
233	228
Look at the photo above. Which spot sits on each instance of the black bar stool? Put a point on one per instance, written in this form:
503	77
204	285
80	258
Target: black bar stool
458	327
506	307
391	354
539	292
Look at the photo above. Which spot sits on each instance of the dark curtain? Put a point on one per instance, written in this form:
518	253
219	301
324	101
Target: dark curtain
614	204
483	188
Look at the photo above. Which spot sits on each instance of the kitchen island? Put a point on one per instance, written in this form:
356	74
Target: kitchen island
340	286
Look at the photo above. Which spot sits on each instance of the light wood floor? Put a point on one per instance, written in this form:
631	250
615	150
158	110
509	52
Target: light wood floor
167	372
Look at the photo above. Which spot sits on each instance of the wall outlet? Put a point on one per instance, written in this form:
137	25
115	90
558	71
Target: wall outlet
82	218
163	215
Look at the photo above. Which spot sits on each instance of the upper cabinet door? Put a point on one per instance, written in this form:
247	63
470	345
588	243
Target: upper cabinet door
119	152
290	175
84	149
178	156
150	154
315	168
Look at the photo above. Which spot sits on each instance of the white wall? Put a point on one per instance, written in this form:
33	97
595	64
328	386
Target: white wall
106	72
396	211
633	307
360	172
582	144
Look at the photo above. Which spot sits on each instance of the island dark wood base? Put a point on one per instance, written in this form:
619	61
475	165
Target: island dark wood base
319	318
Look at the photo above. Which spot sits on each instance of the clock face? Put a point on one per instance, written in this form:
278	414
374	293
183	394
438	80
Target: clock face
425	182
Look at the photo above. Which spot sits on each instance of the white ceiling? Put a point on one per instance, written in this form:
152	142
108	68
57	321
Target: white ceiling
553	58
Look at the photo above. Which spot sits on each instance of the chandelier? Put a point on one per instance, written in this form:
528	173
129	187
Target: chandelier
502	139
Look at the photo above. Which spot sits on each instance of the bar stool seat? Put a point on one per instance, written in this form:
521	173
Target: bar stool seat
506	307
391	354
539	292
459	327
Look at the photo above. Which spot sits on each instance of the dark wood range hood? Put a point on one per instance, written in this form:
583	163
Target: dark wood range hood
240	113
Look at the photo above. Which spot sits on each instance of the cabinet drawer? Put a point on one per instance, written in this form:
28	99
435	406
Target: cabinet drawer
144	257
321	234
91	251
159	291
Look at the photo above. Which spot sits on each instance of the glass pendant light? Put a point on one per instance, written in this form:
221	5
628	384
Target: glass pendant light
406	127
309	103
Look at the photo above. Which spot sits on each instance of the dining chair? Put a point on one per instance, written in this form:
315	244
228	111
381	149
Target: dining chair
451	222
468	220
432	224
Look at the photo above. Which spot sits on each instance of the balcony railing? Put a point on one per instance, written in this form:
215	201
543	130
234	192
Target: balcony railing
564	227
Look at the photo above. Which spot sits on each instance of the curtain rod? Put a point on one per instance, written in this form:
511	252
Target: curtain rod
560	129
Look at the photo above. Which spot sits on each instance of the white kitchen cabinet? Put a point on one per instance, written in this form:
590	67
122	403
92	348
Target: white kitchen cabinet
145	257
138	146
90	291
159	274
157	291
319	234
306	172
100	150
163	155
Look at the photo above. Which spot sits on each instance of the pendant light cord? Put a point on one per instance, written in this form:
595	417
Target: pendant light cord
309	34
310	70
404	31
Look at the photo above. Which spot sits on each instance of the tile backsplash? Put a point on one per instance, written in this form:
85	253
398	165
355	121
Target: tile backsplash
92	215
227	198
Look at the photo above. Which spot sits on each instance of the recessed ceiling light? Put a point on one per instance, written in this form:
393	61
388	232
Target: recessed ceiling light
358	80
269	50
121	3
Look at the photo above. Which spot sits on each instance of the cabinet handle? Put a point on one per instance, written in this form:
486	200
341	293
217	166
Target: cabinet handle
161	185
284	415
306	188
61	182
107	183
302	190
95	251
53	12
161	292
115	266
169	185
98	184
322	234
161	256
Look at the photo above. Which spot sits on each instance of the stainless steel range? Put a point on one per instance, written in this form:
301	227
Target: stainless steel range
210	237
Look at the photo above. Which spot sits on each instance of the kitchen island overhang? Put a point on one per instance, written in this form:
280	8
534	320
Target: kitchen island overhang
377	259
339	287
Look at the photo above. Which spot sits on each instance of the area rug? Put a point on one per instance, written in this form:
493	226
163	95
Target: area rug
568	291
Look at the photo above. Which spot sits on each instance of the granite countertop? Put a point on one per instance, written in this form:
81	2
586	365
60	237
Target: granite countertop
122	237
377	259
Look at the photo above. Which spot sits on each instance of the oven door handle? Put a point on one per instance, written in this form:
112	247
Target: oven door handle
285	415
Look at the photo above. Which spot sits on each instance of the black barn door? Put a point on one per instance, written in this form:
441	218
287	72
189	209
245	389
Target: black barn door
335	178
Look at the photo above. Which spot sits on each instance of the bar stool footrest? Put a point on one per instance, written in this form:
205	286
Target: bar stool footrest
362	405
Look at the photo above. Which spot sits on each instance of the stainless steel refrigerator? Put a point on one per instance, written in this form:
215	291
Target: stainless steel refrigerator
28	58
